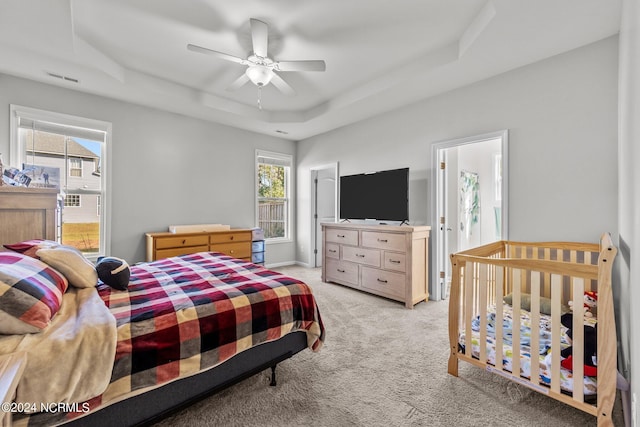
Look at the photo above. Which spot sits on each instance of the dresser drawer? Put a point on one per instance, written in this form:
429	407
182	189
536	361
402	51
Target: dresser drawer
383	282
333	250
342	272
380	240
361	256
232	236
235	249
181	241
394	261
336	235
166	253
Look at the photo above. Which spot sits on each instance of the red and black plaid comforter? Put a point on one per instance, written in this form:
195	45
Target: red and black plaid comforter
185	314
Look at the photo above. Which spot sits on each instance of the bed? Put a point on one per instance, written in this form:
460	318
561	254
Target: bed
511	292
180	316
185	328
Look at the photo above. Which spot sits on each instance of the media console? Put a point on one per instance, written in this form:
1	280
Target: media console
386	260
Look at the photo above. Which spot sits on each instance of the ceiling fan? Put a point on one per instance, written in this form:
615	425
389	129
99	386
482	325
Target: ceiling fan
262	70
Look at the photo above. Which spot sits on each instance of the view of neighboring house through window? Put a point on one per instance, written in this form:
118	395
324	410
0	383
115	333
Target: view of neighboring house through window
66	153
273	172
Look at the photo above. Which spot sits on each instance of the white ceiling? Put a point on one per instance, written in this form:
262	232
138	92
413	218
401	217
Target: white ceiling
379	54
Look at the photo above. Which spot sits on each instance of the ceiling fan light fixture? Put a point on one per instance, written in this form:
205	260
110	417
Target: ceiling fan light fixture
259	75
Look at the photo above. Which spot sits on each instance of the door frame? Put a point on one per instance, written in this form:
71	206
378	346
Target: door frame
313	238
438	200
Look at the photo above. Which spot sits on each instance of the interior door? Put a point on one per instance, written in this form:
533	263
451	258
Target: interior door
325	209
469	169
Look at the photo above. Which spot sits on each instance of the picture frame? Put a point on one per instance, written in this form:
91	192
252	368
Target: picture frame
42	176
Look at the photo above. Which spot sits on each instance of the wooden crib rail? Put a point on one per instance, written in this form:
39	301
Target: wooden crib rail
607	339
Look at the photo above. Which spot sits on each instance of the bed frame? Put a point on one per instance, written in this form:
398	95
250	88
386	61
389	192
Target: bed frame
561	271
30	214
149	407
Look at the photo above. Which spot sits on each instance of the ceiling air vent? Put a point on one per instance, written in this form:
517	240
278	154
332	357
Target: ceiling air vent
61	77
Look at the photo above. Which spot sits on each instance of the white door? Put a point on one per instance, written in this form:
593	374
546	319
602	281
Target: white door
324	206
470	199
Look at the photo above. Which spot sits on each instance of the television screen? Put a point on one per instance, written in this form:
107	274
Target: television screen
381	195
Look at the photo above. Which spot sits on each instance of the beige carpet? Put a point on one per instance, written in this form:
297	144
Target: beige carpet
381	365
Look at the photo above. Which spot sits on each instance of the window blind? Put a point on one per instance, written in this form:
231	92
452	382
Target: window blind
64	129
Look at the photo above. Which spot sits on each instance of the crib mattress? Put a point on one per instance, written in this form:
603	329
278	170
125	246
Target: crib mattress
544	350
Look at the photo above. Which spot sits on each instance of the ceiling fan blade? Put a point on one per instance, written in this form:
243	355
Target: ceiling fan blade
259	37
282	86
318	65
238	83
206	51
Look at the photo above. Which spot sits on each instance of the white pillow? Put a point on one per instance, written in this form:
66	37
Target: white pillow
79	271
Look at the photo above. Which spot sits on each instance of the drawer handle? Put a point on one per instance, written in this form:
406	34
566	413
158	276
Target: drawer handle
342	236
231	251
383	240
383	281
184	241
360	255
231	238
340	270
394	261
333	251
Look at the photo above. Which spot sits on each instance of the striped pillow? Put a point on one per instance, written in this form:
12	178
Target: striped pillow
30	293
29	247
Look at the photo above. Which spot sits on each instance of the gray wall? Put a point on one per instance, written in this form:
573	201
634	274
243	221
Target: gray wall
166	168
562	119
628	297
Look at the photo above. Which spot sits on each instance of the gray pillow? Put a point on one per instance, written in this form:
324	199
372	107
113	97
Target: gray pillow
525	303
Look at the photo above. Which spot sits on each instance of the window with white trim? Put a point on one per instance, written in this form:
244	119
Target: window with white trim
273	192
72	200
75	166
53	149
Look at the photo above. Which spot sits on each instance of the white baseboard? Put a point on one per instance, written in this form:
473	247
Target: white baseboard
280	264
288	263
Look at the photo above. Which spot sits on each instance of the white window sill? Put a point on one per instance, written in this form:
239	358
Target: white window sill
277	241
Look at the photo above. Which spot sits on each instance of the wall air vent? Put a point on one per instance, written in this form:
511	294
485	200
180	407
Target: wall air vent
61	77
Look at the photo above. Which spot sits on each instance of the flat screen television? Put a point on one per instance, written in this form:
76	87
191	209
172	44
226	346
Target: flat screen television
383	196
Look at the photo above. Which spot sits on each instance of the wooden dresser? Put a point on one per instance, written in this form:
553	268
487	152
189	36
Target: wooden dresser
386	260
27	213
235	242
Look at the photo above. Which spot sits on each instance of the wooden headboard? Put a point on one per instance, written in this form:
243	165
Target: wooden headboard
27	213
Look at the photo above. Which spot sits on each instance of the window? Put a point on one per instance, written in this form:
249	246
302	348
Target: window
54	149
75	167
273	187
72	200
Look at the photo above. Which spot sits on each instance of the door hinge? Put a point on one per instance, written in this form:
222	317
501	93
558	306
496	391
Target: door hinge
442	165
441	220
442	274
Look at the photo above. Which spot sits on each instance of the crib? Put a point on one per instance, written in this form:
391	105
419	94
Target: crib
549	274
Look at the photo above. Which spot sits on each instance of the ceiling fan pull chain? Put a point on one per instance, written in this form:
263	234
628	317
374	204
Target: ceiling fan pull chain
260	98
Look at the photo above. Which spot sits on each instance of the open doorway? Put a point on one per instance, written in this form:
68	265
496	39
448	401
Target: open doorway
324	206
471	199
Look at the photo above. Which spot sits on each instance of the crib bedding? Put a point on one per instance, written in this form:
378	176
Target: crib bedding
544	350
186	314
